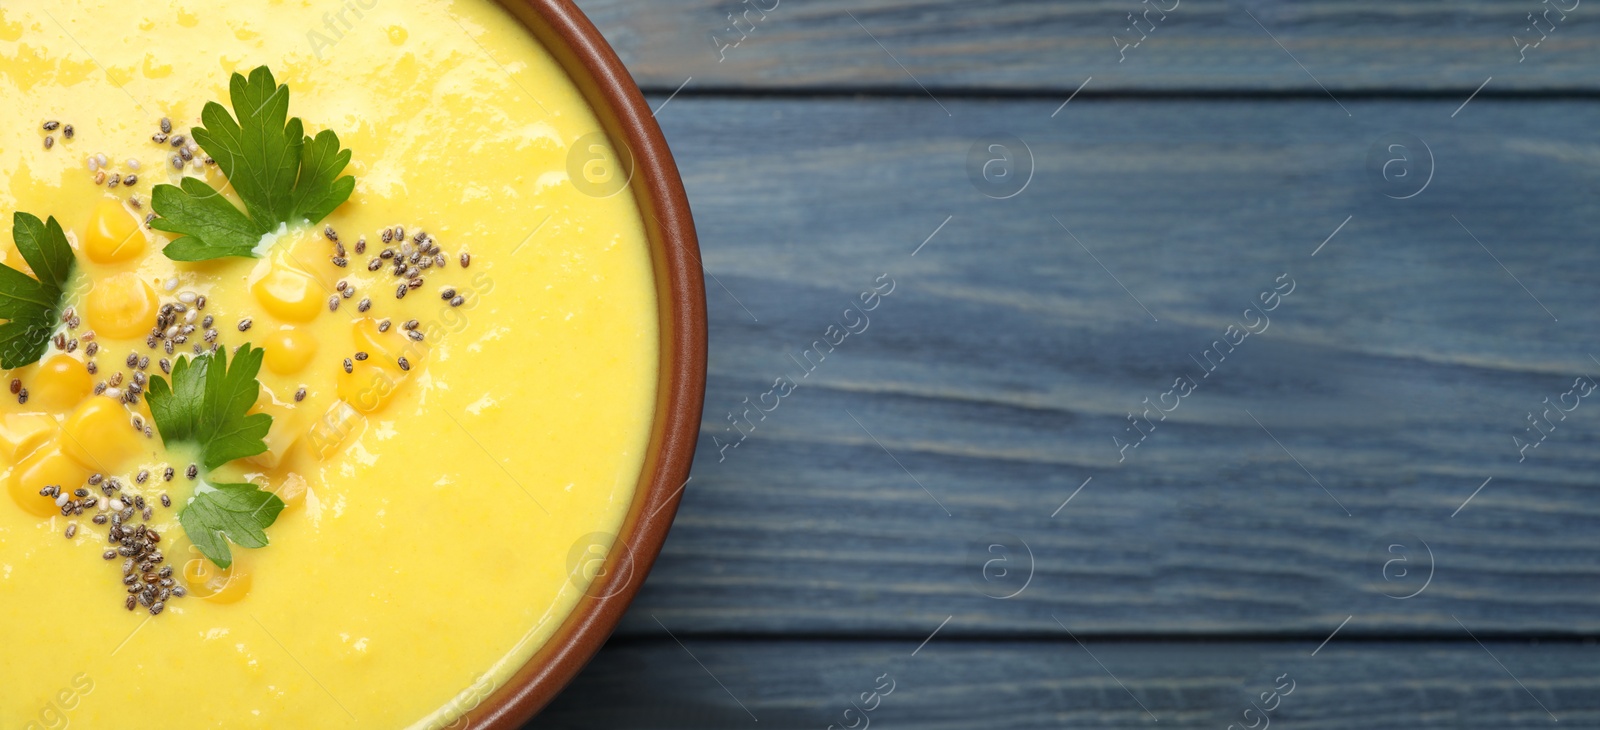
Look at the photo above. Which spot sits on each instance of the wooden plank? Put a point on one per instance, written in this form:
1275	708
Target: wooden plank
1007	358
1057	684
1053	46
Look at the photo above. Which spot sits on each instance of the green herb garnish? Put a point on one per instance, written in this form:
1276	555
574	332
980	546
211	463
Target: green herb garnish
223	512
207	403
33	306
282	175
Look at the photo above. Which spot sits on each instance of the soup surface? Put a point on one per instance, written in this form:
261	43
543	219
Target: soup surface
440	513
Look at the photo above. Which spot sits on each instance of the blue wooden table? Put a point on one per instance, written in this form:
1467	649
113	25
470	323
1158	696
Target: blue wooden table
1108	364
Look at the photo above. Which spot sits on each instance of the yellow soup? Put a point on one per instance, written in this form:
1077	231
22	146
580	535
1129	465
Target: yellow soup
438	510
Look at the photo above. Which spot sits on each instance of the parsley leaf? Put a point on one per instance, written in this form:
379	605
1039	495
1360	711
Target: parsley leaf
222	512
207	403
282	175
211	226
33	306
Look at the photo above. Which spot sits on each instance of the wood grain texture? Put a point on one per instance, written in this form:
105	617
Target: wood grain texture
1055	684
1037	46
1351	470
997	373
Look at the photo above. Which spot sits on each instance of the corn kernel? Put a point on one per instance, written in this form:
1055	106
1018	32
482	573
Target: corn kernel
289	294
113	235
368	388
332	429
61	382
293	490
46	466
386	348
297	249
288	424
22	433
122	306
374	381
289	351
97	435
218	585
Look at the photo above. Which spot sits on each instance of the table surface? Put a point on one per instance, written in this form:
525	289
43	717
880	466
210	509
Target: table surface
1264	399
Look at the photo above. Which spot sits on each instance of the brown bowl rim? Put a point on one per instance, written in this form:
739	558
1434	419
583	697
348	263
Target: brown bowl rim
610	90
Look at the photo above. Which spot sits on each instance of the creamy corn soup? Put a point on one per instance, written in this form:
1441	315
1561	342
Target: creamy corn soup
459	364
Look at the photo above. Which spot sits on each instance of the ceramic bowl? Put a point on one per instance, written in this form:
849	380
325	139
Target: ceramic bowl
680	294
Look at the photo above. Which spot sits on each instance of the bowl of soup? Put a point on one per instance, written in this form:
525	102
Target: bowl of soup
282	450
